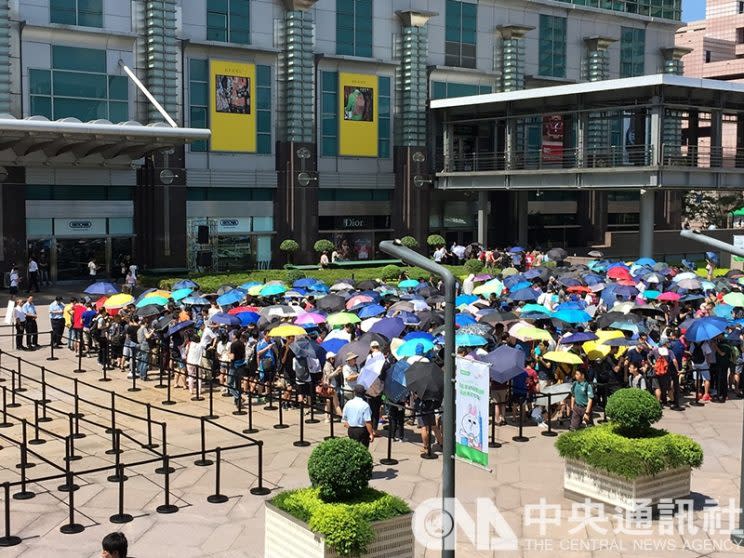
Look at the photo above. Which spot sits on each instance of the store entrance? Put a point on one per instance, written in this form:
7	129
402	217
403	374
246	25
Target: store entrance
73	257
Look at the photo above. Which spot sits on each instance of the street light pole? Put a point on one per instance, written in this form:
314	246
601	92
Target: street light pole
394	248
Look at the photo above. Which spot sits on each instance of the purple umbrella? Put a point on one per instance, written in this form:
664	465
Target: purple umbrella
389	327
506	363
223	318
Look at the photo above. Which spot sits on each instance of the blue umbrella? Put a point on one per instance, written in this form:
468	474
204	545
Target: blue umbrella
515	249
646	261
569	281
231	297
179	294
592	279
578	337
333	345
248	284
712	256
410	348
519	286
505	363
196	301
464	319
625	291
409	318
650	294
513	280
419	335
305	283
371	310
180	326
535	308
185	284
532	273
524	294
319	288
572	316
571	305
723	311
223	318
247	318
395	382
408	284
389	327
273	290
703	329
470	340
101	288
465	299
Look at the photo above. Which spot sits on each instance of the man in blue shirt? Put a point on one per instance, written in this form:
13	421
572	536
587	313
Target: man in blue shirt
357	417
57	318
32	328
88	316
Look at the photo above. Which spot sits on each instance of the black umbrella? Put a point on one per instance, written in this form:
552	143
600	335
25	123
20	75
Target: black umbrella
367	285
162	323
180	326
224	289
148	311
494	318
331	303
647	310
428	291
359	348
425	379
606	319
557	254
436	299
429	320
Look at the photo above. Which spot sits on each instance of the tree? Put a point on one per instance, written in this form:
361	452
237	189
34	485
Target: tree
435	240
705	208
289	247
323	245
409	242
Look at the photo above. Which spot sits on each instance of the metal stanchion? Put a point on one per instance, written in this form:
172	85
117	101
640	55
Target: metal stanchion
211	415
217	498
167	507
8	539
312	419
111	429
19	388
197	396
280	425
698	382
24	463
71	528
250	429
388	460
239	411
492	443
13	403
161	368
149	445
5	423
301	443
330	425
260	490
428	454
168	401
71	436
36	440
121	517
51	350
44	399
23	494
520	437
203	462
134	387
165	467
549	432
76	400
117	458
80	368
270	400
69	485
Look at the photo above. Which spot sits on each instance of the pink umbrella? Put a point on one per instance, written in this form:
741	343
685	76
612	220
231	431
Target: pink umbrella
310	318
669	297
482	277
358	299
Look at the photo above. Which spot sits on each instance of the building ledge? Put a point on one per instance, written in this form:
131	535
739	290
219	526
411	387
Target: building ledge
231	46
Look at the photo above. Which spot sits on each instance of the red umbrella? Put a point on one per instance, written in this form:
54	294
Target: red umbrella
619	273
669	297
579	289
100	302
627	282
241	309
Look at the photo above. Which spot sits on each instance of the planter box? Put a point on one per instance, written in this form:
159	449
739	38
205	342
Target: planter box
288	537
582	481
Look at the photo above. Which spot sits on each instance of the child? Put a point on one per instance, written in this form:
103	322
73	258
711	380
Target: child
636	379
582	396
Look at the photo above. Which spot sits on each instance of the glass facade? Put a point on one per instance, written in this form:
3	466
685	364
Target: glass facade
78	86
86	13
667	9
632	52
354	27
329	114
552	47
461	19
228	21
384	128
446	90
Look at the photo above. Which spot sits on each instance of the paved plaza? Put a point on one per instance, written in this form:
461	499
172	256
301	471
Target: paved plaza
526	479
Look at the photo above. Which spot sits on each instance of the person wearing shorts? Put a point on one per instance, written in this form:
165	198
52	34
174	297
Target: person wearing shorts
426	419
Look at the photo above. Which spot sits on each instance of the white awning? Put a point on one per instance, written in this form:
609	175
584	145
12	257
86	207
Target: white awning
37	140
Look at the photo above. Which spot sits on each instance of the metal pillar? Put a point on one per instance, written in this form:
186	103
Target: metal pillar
522	210
646	228
395	249
483	204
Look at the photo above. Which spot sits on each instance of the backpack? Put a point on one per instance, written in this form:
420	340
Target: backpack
698	356
661	366
302	373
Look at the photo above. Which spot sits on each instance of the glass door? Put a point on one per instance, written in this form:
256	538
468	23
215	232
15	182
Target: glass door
73	257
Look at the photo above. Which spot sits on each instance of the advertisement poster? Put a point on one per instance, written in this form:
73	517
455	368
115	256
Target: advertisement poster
471	426
358	115
232	92
552	138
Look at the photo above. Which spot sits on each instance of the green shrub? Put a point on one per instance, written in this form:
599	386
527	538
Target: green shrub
409	242
603	447
549	264
390	272
340	468
435	240
289	246
323	245
633	410
474	266
294	275
346	526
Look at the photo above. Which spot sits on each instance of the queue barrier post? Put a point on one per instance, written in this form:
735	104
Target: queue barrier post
149	445
301	443
5	423
80	368
24	462
44	399
260	489
117	458
550	432
71	528
492	443
217	497
520	437
71	436
69	484
164	467
168	400
36	440
203	461
24	494
120	517
167	507
13	403
19	388
388	459
8	539
250	429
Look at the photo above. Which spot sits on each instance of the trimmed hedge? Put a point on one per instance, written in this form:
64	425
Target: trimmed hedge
323	245
605	448
409	242
289	245
435	240
346	525
474	266
633	410
340	468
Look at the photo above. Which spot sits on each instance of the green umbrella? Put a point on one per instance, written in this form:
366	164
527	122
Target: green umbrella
342	318
734	299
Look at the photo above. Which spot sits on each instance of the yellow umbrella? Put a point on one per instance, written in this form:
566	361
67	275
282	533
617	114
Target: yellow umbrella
287	330
118	301
532	333
594	349
607	334
160	292
255	290
563	356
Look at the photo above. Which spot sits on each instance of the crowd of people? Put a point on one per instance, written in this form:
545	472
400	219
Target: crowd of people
591	329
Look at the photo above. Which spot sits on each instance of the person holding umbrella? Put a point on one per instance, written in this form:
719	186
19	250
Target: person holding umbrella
357	417
350	372
330	386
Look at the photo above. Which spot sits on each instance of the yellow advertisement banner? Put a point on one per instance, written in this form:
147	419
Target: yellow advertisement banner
357	115
232	111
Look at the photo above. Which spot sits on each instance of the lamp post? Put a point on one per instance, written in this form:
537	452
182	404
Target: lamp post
394	248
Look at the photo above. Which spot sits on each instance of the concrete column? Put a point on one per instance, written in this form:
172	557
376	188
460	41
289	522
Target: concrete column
510	143
582	124
693	135
483	204
740	139
716	137
522	216
646	228
656	126
448	138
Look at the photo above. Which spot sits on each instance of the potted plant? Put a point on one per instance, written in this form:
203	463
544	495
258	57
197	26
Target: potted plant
289	247
339	515
626	462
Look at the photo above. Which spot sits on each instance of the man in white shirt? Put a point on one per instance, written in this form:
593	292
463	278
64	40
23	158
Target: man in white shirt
57	318
439	254
33	275
208	335
13	279
19	320
92	268
350	372
32	328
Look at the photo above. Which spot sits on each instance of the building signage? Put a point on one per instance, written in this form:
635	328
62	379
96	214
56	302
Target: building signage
232	89
80	227
230	225
358	115
351	223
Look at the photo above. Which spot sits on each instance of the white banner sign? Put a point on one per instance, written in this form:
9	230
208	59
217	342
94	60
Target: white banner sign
472	389
80	227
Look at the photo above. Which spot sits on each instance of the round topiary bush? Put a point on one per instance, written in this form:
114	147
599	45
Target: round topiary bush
474	266
435	240
390	272
323	245
340	468
409	242
633	410
294	275
289	245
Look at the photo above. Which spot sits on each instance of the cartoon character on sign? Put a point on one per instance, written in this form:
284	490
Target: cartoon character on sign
470	429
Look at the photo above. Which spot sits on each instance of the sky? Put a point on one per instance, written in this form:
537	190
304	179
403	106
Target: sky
693	10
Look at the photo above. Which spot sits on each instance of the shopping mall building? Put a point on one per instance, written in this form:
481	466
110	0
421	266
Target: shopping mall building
319	121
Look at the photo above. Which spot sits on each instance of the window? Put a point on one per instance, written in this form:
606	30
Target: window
329	114
552	47
632	52
446	90
460	34
354	27
78	86
739	35
87	13
383	132
263	109
228	21
199	99
740	8
216	193
707	56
